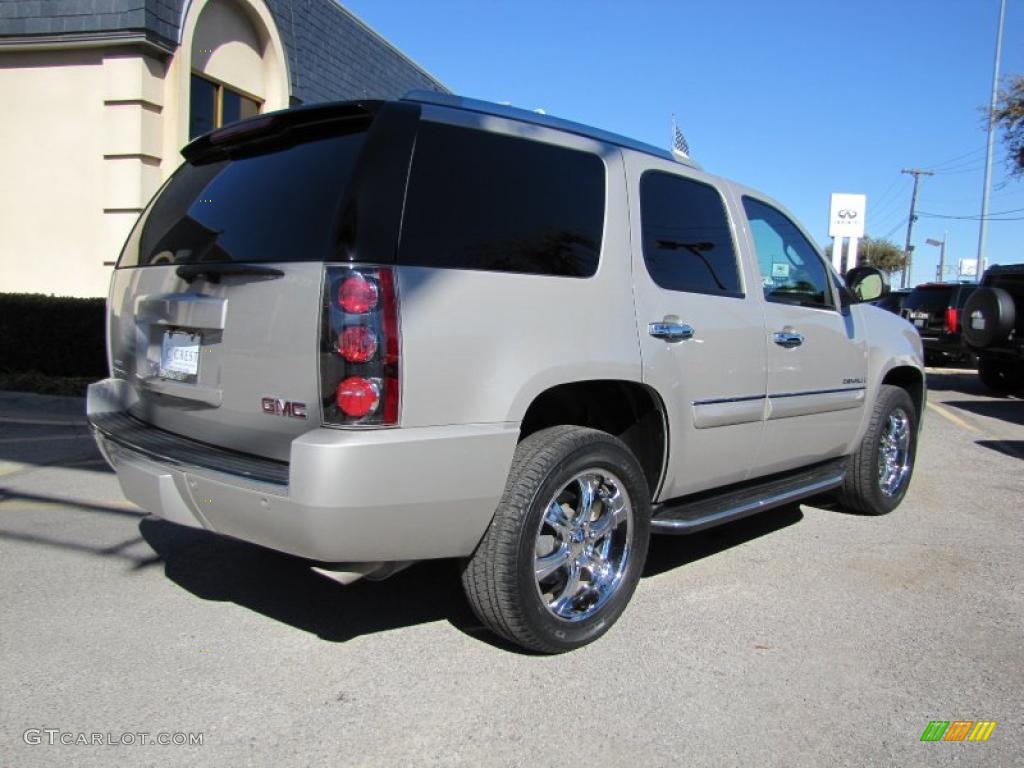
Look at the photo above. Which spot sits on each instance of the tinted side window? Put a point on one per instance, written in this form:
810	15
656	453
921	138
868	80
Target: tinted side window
479	200
686	238
791	269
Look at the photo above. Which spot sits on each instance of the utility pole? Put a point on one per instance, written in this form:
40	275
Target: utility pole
983	228
917	173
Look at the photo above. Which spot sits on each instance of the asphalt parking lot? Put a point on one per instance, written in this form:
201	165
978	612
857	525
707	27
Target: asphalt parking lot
804	636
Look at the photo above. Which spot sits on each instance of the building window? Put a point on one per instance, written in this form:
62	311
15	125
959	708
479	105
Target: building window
212	105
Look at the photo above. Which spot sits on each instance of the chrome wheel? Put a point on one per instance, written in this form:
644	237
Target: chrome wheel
583	544
894	453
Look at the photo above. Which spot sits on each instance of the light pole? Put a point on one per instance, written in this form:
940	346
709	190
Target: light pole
987	187
940	271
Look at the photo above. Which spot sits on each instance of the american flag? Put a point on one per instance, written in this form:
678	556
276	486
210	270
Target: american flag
679	146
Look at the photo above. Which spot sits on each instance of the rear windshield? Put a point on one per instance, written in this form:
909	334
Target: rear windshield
932	299
281	204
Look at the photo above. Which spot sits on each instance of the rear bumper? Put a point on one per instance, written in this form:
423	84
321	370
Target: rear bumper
344	496
945	344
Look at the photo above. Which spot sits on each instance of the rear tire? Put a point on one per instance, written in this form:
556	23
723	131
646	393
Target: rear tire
565	549
879	472
1004	376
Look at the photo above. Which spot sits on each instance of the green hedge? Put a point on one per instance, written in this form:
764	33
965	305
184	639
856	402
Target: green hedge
52	335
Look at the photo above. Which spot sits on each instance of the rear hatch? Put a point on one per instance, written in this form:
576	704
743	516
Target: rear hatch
926	308
215	306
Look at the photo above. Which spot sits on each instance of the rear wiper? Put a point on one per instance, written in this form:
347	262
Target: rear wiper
214	272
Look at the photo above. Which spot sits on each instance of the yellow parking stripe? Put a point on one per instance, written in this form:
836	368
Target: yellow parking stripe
954	418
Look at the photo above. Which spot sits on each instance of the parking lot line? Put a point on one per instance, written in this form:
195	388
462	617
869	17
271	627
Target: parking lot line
954	418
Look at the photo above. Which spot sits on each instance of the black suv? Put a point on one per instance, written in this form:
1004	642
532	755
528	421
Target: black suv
994	328
935	310
893	301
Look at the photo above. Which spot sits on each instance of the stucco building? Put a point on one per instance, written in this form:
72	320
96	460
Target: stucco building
100	95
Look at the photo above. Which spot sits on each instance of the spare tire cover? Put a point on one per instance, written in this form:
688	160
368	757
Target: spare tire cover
988	316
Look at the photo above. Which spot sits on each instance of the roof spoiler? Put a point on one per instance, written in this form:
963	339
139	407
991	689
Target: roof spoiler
274	124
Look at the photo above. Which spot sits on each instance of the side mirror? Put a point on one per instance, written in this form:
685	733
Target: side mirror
867	283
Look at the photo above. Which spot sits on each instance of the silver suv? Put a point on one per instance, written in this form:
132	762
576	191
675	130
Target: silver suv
374	333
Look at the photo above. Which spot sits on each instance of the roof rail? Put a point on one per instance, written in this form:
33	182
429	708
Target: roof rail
526	116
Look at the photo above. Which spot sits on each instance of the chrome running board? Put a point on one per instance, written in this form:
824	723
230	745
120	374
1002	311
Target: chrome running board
690	514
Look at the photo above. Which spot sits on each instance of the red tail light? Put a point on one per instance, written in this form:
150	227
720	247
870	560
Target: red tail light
357	295
356	397
357	344
359	348
952	320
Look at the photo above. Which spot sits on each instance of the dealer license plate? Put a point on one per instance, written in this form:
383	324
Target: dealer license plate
179	356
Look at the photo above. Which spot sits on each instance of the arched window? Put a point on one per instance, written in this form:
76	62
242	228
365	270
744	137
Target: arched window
228	67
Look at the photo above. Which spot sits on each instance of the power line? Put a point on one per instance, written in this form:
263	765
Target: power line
892	231
881	198
990	217
889	209
936	166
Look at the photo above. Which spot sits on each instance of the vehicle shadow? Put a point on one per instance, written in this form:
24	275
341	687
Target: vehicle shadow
670	552
285	589
1014	448
965	382
1005	410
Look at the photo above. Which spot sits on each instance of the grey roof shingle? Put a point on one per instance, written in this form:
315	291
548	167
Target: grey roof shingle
331	54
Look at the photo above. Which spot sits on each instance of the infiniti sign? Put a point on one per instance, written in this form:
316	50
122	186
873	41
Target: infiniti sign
846	215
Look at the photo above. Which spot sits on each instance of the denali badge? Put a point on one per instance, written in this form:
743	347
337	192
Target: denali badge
278	407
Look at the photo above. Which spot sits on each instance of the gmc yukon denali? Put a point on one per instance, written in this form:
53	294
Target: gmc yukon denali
372	333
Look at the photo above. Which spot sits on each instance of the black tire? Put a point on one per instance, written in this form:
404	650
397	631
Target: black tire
499	578
988	317
1002	375
861	490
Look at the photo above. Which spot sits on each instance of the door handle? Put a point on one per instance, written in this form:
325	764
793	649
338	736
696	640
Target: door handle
788	339
670	331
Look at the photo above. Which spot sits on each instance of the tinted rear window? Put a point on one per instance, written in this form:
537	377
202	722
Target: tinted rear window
479	200
281	204
929	299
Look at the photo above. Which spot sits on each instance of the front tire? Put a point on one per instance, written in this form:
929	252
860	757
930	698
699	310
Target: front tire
879	473
565	549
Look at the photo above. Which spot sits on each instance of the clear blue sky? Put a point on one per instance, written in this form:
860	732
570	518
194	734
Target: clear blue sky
798	98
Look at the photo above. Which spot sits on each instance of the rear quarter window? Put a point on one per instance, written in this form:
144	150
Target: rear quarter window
487	201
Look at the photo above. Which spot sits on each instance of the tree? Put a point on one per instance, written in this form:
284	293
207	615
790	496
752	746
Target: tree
880	253
1009	116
